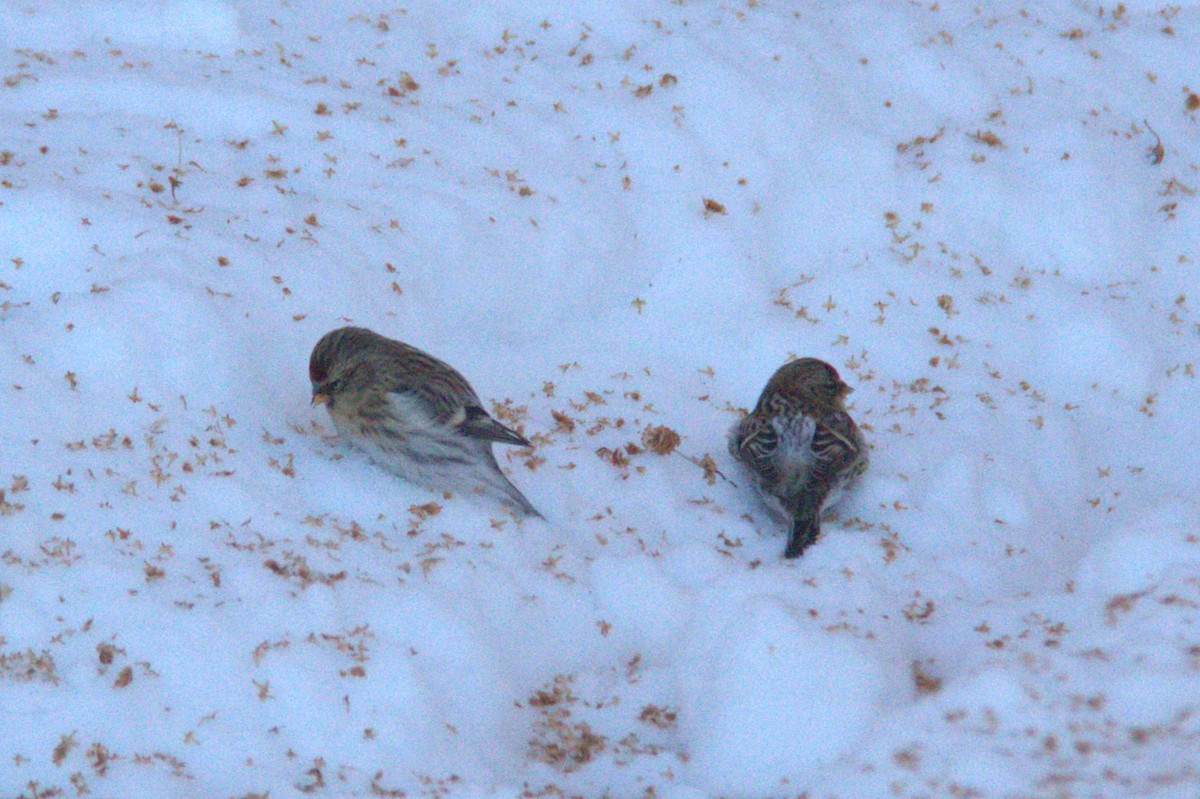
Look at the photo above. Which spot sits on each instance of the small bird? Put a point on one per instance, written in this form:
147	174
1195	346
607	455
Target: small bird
801	447
413	414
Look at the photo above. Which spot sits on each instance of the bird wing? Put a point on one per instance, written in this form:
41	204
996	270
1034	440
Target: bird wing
755	444
477	424
445	395
444	409
835	446
433	384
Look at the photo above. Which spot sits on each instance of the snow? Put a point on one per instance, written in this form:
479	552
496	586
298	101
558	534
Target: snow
610	218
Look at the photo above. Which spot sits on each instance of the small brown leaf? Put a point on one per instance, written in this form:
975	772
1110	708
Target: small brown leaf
661	717
426	510
926	683
124	677
986	137
616	457
65	744
564	423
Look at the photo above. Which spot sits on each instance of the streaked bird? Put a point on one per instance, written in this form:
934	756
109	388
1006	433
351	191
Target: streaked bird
415	415
800	446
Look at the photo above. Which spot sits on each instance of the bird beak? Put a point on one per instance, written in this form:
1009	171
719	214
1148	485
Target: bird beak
320	399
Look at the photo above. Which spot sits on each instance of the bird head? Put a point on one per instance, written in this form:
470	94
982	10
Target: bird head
323	391
325	367
812	378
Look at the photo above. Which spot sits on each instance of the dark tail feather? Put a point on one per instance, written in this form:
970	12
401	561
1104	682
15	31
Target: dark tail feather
806	527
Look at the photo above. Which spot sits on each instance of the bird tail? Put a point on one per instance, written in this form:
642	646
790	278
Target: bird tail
509	491
520	501
806	528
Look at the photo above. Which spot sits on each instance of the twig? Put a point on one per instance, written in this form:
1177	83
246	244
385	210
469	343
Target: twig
1156	153
709	466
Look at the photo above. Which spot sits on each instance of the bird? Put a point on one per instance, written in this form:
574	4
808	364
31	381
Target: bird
799	445
412	413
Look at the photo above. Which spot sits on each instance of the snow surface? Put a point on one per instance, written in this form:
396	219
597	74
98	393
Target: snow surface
610	217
